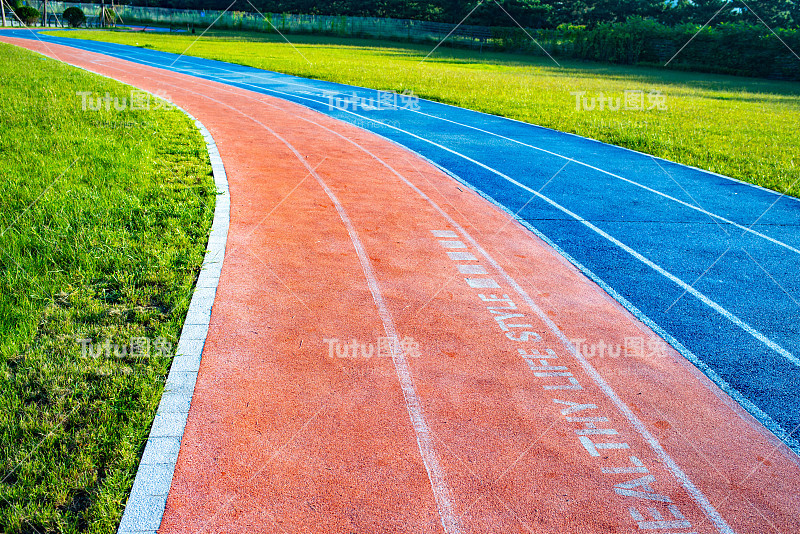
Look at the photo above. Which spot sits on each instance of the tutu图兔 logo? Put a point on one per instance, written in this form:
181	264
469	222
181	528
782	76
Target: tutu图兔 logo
136	101
384	347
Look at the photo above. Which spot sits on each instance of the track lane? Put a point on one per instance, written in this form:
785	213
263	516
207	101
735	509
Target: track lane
708	261
467	447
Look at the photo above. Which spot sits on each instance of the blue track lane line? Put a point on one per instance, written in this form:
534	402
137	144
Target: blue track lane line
710	263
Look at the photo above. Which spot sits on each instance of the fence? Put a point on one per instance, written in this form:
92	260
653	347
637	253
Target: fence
55	12
405	29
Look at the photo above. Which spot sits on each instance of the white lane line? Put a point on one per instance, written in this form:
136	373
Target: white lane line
452	244
425	443
413	403
686	287
696	494
628	180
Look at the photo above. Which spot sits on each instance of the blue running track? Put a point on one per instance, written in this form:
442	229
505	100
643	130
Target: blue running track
710	263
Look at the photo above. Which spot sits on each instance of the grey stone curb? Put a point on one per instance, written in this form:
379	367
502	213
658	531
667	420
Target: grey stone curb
148	498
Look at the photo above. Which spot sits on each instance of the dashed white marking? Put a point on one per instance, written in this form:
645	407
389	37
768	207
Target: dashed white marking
482	283
461	256
453	244
472	269
444	233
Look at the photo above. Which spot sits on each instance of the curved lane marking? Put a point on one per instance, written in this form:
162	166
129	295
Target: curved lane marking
686	287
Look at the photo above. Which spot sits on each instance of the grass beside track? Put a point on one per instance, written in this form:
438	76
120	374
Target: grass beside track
739	127
103	224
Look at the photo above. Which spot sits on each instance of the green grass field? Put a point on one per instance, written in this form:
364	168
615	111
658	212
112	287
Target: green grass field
103	224
740	127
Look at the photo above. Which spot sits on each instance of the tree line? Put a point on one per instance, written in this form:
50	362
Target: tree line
528	13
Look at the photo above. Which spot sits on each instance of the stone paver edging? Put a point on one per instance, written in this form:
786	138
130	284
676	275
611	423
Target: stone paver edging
148	497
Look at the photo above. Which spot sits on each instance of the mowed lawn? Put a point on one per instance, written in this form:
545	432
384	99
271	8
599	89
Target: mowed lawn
104	217
741	127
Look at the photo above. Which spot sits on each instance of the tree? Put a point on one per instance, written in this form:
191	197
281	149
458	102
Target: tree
28	15
774	13
794	12
710	12
74	16
621	10
526	13
568	11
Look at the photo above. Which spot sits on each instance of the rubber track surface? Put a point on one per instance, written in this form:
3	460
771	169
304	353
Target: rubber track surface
709	263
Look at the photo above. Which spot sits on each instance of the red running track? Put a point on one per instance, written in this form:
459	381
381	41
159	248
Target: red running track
484	418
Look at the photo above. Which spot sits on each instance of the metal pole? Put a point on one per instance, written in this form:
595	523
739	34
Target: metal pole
3	8
44	17
103	14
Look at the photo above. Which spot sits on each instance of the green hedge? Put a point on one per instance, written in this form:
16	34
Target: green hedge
730	48
738	48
